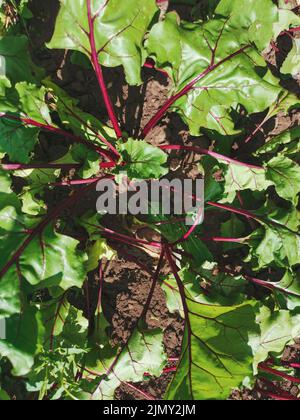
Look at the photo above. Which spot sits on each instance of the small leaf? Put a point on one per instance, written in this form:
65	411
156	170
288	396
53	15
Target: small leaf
290	139
277	330
285	175
23	340
291	64
16	140
143	161
100	249
144	353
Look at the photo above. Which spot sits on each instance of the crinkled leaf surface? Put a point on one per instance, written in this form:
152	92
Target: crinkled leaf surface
289	288
143	161
277	330
144	353
274	244
288	140
285	175
238	178
220	62
16	140
48	259
257	19
216	356
119	29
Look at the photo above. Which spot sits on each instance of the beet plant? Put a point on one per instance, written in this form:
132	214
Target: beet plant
238	314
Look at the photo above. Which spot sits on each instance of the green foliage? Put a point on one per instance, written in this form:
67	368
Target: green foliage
142	160
54	247
117	26
216	355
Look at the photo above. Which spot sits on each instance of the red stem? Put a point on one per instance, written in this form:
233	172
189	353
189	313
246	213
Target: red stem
234	210
292	30
38	230
209	153
117	235
191	229
101	279
275	372
99	73
76	182
186	90
181	289
276	397
155	278
20	166
53	129
221	239
146	396
149	64
166	370
293	365
90	127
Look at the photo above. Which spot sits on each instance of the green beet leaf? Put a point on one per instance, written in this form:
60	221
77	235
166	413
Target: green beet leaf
119	29
143	353
277	330
143	161
221	70
23	340
285	175
216	356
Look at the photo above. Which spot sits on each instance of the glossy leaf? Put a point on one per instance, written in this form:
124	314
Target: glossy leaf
216	355
119	30
48	260
277	330
144	353
23	340
219	73
143	161
274	245
285	175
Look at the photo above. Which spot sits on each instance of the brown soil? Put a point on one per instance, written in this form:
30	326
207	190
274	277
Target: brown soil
126	285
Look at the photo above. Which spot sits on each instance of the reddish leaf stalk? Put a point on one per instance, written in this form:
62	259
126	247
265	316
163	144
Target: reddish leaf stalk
293	365
221	239
241	212
155	277
70	183
101	279
275	372
151	124
117	235
217	156
146	396
99	73
53	129
149	64
273	391
181	289
20	166
38	230
115	153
